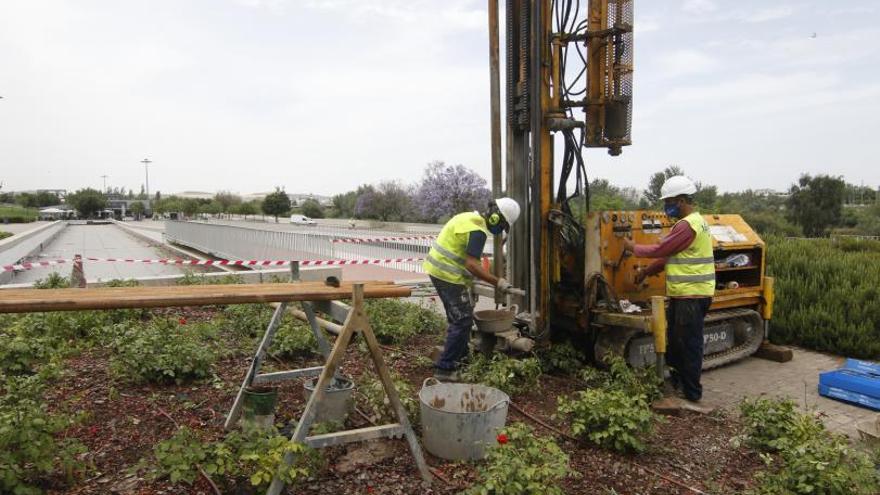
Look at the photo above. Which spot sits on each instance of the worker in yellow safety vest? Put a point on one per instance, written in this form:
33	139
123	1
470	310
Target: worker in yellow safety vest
686	255
453	263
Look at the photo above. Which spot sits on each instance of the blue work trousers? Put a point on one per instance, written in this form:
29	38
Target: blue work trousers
685	317
460	316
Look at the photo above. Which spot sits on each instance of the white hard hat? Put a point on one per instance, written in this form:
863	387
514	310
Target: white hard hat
677	185
509	208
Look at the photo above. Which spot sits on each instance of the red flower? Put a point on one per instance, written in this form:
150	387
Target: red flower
502	438
182	321
370	489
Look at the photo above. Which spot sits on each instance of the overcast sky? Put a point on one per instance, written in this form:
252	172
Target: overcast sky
322	95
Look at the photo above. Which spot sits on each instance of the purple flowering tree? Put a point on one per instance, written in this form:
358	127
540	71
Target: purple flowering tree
447	190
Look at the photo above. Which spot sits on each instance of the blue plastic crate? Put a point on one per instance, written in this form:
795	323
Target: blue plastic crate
857	382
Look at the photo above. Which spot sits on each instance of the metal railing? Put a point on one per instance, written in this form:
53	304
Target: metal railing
237	242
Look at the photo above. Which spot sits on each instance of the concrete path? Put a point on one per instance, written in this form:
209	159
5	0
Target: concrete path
100	241
798	380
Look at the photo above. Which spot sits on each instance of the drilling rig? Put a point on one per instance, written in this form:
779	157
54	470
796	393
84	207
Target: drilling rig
569	87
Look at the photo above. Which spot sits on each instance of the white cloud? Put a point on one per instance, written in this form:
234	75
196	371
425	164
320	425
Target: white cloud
699	6
686	62
769	14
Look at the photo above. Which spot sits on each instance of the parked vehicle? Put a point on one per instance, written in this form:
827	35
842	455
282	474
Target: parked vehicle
302	220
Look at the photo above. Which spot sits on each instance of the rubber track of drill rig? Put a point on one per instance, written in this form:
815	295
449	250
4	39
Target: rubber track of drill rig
616	340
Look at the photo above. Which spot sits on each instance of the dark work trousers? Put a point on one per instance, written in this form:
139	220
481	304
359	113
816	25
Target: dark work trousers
460	317
684	318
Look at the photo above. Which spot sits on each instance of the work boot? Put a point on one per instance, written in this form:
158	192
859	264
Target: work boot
447	375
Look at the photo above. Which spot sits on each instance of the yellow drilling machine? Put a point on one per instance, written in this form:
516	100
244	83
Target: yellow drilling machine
569	86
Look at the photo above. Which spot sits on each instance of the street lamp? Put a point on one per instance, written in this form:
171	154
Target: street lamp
147	162
105	182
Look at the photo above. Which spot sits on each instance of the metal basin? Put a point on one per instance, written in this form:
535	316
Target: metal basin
494	320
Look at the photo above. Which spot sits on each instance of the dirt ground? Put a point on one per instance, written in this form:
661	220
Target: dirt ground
687	454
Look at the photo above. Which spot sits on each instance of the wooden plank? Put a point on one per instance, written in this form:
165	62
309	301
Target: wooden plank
772	352
37	300
393	430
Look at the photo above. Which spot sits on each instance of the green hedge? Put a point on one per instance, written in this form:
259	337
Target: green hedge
17	214
827	295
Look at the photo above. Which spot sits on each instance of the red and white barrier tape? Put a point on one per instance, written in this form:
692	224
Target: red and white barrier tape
45	264
369	240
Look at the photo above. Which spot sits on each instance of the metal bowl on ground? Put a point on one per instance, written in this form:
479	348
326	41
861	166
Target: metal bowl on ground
494	320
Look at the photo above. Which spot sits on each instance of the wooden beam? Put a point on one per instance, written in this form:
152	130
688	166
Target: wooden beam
37	300
393	430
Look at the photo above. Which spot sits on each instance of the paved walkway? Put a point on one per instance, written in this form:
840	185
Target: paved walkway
100	241
798	379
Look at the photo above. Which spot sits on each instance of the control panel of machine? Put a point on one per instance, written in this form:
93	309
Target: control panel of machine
738	252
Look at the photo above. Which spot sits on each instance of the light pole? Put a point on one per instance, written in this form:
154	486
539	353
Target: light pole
105	182
147	162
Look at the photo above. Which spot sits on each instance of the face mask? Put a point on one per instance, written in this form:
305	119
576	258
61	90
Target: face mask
496	229
672	211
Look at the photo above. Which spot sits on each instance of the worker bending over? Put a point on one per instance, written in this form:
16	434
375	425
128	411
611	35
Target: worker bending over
686	254
452	264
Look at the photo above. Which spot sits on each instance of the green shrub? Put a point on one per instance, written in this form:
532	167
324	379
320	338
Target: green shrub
827	296
768	421
823	464
253	454
513	376
22	354
394	321
29	448
378	405
618	375
811	459
247	320
522	463
162	350
17	214
53	281
190	278
293	339
613	419
562	358
4	234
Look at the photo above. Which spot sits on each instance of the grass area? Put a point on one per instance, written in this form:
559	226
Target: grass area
17	214
827	295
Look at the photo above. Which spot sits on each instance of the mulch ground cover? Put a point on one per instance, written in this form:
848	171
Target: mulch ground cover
121	423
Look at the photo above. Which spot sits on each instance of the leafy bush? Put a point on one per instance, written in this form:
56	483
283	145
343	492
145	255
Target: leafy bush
294	338
20	353
618	375
513	376
253	454
247	320
767	421
53	281
612	418
378	405
812	459
562	358
29	449
17	214
827	296
190	278
162	350
521	464
394	321
4	234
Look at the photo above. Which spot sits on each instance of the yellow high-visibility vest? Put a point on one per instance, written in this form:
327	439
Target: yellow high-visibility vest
692	271
446	260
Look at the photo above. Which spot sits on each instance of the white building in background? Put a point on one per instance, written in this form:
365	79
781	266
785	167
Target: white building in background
195	195
300	198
